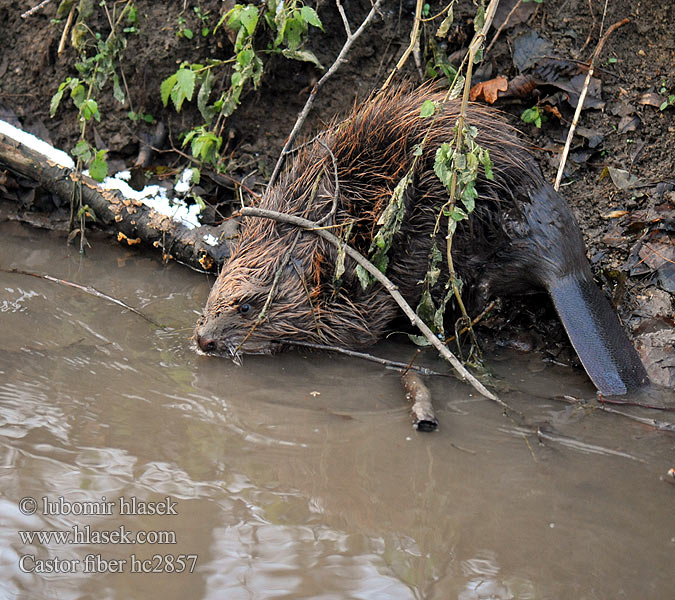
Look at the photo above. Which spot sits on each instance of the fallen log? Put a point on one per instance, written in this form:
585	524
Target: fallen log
135	223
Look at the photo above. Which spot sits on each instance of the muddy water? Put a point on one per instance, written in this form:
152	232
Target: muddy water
297	476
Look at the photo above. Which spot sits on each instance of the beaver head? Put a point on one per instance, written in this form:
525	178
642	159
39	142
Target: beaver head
278	285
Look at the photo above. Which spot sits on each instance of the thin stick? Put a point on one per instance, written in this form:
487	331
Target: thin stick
336	193
33	10
582	97
590	31
424	417
661	425
388	285
64	35
351	38
414	38
486	310
87	289
394	364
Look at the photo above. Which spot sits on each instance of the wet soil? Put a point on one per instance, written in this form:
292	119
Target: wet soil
628	231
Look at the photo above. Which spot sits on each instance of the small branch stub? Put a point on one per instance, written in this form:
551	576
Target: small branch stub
422	409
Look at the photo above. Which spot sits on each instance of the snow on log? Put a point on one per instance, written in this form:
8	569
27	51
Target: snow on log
144	216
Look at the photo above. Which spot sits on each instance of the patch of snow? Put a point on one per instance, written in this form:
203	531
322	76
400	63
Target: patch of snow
154	196
123	175
56	156
183	185
210	239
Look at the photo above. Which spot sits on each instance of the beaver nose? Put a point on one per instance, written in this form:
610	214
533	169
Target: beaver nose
207	344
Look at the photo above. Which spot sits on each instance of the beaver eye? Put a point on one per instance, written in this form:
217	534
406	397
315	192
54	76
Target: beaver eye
244	309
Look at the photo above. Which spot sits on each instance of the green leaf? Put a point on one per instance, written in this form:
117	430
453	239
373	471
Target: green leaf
232	18
118	94
458	214
89	109
78	94
419	340
532	115
245	57
249	18
442	161
82	151
486	161
457	88
310	16
293	33
56	100
85	211
167	86
203	97
479	19
188	33
185	80
280	19
428	109
64	8
444	27
364	277
303	55
98	169
469	196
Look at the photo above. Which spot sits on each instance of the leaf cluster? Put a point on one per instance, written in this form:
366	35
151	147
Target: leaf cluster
94	69
286	25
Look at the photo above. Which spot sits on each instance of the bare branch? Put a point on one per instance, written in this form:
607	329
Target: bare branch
33	10
582	97
317	86
364	356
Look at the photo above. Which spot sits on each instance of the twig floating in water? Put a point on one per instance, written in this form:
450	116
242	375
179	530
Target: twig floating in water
87	289
365	356
424	418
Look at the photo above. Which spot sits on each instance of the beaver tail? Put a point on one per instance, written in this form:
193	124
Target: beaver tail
546	249
597	336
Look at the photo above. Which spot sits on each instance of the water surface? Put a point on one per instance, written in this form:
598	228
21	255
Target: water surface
297	476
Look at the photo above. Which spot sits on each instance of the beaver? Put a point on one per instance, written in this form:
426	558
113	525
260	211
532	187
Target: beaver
522	236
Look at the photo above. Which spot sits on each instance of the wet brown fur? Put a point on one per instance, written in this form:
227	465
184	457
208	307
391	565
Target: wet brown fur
373	149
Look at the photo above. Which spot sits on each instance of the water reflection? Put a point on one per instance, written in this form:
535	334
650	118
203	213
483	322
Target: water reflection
298	476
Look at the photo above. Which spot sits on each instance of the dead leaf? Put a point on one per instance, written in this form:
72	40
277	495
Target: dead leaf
628	123
554	111
521	86
489	90
661	258
651	99
594	137
521	14
623	179
615	214
529	49
656	255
